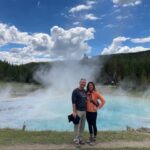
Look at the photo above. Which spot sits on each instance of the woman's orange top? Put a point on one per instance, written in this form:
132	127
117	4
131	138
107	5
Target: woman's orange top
95	97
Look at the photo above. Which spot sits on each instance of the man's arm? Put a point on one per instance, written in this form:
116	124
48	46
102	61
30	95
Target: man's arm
74	99
74	110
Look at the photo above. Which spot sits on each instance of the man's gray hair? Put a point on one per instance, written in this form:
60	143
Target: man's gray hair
82	79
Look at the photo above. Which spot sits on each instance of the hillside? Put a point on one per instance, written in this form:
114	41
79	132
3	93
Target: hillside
133	67
111	69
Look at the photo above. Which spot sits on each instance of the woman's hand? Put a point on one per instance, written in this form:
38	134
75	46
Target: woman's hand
96	108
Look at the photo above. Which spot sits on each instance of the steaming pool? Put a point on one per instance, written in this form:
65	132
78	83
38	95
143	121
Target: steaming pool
40	112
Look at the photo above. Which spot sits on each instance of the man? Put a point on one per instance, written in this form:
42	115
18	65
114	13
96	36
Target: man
79	108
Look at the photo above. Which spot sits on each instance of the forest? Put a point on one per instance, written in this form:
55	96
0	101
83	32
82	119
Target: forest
112	69
133	67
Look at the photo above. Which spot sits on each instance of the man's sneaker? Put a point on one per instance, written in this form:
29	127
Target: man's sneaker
81	142
91	143
76	141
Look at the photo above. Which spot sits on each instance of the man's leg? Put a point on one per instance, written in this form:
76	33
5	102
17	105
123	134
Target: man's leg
77	128
82	124
76	134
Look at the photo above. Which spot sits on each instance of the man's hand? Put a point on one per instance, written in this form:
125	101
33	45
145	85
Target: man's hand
74	114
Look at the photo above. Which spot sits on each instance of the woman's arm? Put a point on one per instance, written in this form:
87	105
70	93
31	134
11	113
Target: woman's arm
100	97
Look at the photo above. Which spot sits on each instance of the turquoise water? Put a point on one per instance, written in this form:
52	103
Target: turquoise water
44	113
121	111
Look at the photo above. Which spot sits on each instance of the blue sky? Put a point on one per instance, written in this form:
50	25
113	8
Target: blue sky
45	30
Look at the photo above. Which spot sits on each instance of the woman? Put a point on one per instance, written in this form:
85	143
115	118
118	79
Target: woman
93	105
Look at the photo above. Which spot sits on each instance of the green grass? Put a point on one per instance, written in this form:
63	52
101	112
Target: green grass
12	137
106	136
115	149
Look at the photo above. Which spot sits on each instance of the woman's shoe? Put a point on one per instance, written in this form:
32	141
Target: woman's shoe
89	140
94	139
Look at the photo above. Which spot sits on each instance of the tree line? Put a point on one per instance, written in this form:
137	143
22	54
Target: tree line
133	67
112	69
19	73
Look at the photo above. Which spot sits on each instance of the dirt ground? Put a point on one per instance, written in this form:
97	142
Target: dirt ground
117	144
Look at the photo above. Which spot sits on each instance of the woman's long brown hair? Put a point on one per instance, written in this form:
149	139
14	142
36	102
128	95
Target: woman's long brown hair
92	84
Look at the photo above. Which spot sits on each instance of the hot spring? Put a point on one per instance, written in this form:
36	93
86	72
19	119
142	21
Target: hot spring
48	110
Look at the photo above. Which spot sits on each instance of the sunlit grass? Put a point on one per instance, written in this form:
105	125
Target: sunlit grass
11	137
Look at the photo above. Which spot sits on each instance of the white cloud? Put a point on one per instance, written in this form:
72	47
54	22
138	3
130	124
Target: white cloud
12	35
76	23
116	47
126	3
122	17
41	42
90	17
138	49
91	2
141	40
38	3
110	26
72	42
117	11
82	7
59	44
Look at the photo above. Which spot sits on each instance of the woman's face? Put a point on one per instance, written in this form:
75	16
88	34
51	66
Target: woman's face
91	87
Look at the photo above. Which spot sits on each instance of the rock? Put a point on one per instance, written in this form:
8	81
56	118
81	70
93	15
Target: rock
128	128
143	129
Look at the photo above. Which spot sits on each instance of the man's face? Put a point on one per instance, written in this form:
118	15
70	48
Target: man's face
82	84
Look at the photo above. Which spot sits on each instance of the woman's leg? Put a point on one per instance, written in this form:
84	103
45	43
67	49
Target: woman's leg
89	120
94	124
